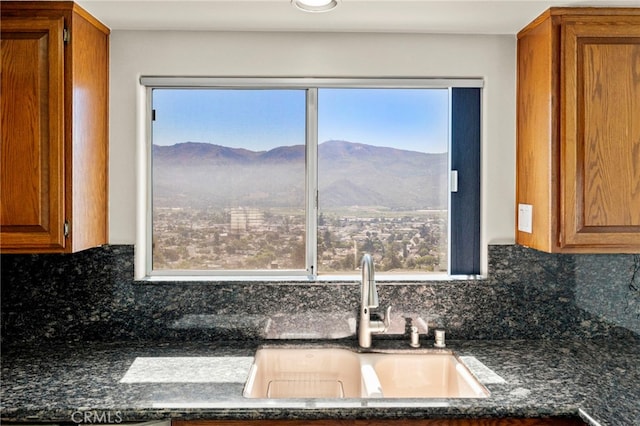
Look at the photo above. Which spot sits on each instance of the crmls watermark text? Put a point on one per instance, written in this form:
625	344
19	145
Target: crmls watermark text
96	417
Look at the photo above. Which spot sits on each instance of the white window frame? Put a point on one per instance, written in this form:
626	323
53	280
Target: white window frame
144	234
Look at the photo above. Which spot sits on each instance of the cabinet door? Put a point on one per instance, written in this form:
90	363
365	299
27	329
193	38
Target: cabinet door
32	120
600	157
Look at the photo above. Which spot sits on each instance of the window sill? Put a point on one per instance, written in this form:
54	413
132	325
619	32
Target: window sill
293	280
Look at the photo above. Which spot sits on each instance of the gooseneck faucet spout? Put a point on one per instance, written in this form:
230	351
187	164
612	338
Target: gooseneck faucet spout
369	300
369	291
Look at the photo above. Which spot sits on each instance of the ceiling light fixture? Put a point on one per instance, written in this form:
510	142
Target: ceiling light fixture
315	5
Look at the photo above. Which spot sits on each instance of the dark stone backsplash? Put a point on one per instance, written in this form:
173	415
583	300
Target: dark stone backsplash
91	295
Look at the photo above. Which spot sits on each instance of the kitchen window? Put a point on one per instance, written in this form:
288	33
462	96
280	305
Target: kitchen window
284	178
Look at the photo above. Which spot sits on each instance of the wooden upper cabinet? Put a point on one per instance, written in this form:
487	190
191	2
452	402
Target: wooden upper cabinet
32	133
54	121
578	131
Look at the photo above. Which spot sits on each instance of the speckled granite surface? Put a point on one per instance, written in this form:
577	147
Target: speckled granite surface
541	378
72	325
91	296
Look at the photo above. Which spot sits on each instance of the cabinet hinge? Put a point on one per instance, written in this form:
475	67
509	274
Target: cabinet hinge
65	35
66	228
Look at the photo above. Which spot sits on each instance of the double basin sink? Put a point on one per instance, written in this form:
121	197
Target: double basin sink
342	373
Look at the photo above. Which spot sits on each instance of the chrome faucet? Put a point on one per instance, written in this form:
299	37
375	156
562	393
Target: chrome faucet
369	299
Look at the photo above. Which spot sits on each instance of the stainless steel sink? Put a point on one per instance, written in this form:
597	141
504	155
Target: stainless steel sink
341	373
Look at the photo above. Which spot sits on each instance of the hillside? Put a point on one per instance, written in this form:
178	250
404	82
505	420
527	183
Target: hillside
350	174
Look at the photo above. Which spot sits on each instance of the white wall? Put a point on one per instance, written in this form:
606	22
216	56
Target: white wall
225	54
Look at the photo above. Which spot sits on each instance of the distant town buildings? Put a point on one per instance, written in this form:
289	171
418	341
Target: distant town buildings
245	219
245	238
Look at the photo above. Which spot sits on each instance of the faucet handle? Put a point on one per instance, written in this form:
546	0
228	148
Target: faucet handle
387	318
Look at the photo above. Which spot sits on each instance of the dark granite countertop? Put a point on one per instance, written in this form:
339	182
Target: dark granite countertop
596	379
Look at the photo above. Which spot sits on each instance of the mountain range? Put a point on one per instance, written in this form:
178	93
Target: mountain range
350	174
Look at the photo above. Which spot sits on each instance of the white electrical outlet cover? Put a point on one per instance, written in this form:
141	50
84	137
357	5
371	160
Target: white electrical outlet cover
525	218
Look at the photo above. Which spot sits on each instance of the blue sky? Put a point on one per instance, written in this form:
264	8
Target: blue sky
412	119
